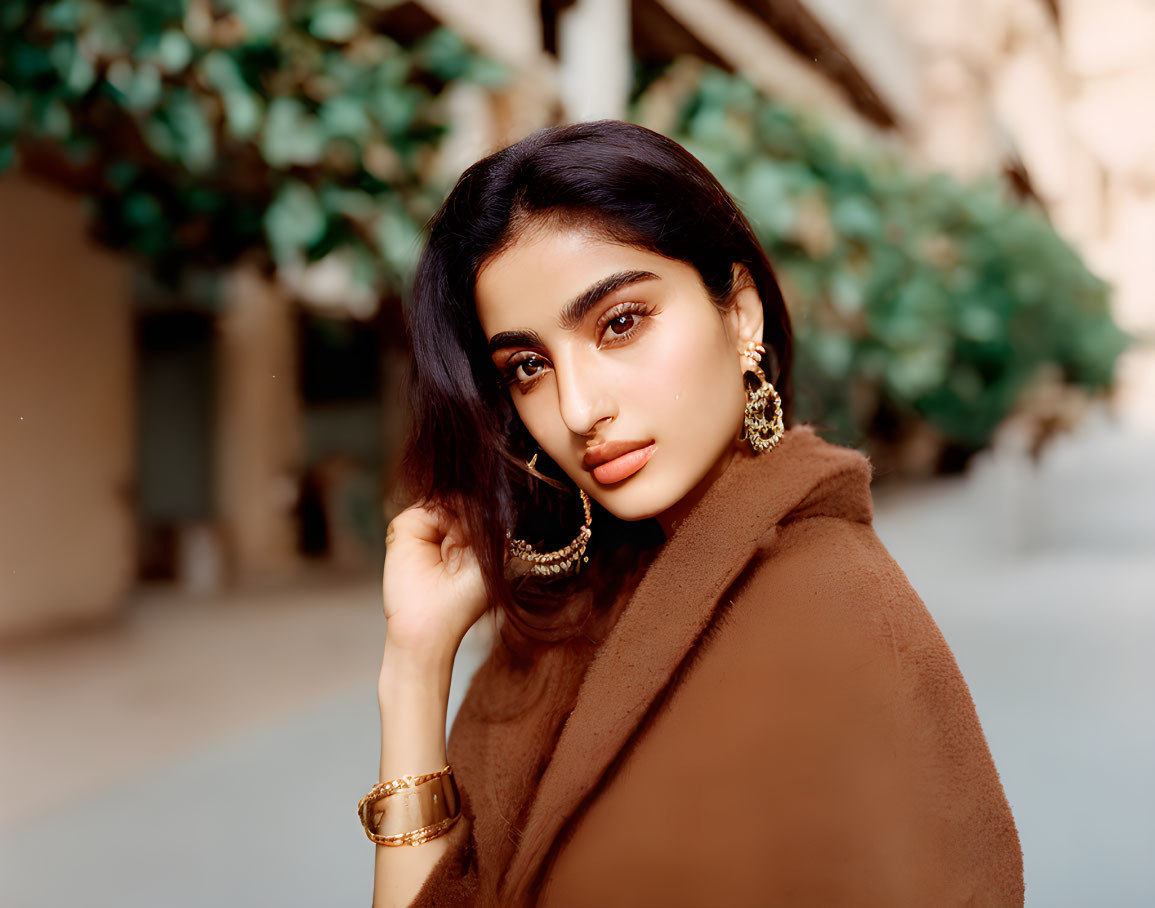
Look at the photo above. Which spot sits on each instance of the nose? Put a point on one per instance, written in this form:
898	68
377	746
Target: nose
584	398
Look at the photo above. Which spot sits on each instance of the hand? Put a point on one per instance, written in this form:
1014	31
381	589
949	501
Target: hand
432	584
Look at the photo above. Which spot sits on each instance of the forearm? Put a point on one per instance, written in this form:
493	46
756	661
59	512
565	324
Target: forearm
413	693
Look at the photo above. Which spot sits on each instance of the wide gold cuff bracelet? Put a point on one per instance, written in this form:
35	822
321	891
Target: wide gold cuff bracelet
412	809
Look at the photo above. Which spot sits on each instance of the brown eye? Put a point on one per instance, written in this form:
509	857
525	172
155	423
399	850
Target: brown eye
630	318
622	323
529	368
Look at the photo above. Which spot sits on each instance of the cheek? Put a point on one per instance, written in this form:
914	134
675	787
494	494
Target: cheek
689	371
533	415
539	414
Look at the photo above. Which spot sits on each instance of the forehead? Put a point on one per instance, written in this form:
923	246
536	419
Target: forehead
530	282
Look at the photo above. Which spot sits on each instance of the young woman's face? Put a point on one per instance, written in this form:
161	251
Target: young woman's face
619	365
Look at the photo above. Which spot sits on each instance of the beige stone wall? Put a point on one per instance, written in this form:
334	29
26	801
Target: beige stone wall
260	434
1074	99
66	431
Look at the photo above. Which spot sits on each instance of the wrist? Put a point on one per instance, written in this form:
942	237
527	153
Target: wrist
424	660
415	675
413	696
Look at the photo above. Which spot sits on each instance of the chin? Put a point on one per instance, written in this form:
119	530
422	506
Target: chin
639	513
634	500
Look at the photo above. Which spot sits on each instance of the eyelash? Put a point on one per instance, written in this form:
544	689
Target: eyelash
640	311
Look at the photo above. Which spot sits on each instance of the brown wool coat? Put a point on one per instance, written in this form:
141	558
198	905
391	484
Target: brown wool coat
772	719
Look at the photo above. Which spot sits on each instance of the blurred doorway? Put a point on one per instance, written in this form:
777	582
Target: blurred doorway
176	420
339	513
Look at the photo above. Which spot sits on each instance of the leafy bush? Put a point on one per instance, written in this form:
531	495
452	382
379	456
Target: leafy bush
918	302
207	129
204	129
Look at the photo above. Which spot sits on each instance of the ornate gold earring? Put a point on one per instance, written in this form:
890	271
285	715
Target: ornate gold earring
562	560
762	433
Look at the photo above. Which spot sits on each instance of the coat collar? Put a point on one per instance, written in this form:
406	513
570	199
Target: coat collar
739	515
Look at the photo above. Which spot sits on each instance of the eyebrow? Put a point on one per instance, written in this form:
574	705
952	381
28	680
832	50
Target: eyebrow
574	311
504	339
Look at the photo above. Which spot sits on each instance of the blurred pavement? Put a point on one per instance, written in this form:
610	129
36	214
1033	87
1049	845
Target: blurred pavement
1043	583
211	753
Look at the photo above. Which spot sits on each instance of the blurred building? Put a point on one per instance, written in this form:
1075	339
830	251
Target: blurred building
222	435
66	415
240	430
1054	95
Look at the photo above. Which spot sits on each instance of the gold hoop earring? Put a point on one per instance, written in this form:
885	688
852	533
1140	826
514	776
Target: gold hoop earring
761	433
559	561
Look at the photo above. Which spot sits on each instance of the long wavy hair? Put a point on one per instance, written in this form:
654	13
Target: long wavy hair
467	447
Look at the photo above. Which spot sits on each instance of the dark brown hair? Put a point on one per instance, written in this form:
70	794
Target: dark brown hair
467	446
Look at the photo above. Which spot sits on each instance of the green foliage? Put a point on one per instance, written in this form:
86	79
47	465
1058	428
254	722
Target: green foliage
914	298
206	129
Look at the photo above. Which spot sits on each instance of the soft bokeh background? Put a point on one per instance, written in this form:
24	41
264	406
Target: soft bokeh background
209	214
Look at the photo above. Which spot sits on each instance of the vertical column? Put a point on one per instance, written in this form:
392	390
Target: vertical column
260	442
595	49
67	554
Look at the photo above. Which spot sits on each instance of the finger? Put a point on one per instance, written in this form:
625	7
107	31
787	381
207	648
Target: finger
459	558
452	547
453	529
421	522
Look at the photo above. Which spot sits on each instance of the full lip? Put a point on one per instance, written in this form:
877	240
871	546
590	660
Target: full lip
610	450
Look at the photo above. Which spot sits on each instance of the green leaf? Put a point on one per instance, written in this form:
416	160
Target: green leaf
262	19
73	67
833	353
52	118
846	292
120	174
767	198
856	217
916	370
181	132
975	322
174	51
61	15
137	89
294	221
27	63
487	72
13	14
398	237
291	134
142	210
11	111
244	110
345	117
446	55
333	21
395	108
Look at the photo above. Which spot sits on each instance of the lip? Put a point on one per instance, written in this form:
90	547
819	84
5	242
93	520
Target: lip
614	469
610	450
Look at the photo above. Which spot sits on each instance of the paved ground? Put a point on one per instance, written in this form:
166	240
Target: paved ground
210	753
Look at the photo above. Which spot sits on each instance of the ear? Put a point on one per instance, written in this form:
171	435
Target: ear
744	318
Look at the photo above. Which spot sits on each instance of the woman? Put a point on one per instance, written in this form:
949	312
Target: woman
713	686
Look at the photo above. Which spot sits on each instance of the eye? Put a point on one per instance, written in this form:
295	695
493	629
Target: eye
528	368
524	371
623	322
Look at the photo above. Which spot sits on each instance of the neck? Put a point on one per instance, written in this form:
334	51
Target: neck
672	517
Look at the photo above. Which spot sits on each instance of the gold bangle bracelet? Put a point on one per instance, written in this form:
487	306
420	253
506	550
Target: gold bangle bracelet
418	808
